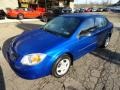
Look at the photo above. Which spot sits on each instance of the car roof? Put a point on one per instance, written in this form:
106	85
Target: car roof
83	15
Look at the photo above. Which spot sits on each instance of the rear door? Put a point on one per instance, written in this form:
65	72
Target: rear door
102	28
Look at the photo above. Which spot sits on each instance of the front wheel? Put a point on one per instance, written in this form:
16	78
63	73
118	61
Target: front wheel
20	16
61	66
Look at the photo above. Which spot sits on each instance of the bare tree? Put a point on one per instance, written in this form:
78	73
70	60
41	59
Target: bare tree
105	2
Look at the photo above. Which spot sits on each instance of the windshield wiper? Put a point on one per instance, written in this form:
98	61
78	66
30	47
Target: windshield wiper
47	30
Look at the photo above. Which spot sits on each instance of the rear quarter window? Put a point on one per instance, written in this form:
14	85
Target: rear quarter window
101	22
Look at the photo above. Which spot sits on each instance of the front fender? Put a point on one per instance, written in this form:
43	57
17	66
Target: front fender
55	56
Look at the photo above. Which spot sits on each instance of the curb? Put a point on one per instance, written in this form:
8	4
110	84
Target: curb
15	20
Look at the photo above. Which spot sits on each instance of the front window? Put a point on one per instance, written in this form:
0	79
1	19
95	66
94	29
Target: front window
63	25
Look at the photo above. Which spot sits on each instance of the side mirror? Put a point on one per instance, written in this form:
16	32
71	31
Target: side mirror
85	33
89	34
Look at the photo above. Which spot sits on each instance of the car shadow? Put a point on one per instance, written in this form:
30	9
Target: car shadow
108	55
28	26
117	28
2	82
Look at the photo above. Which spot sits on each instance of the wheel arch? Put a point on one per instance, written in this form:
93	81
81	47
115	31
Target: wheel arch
58	55
64	53
20	14
71	56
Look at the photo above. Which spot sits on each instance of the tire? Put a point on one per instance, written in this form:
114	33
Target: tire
61	66
44	19
20	16
106	42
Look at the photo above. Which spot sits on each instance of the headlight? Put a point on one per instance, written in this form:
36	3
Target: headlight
33	59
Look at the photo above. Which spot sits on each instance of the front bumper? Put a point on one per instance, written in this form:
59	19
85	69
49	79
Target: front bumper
31	72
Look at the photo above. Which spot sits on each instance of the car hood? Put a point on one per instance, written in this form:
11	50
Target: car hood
36	41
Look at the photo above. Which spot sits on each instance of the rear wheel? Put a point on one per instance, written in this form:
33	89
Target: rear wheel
61	66
106	42
20	16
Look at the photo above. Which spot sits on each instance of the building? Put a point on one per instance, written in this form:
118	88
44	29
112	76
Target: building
46	3
4	4
69	3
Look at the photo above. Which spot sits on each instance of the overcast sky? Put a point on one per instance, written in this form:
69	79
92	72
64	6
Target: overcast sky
97	1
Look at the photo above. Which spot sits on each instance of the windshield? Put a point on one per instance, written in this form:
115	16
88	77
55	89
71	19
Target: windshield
62	25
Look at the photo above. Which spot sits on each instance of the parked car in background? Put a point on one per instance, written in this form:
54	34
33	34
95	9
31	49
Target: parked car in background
94	9
66	10
53	48
79	10
115	9
100	10
82	9
54	12
22	13
88	10
105	9
2	14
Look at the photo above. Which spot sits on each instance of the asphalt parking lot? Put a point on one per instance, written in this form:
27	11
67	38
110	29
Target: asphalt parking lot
98	70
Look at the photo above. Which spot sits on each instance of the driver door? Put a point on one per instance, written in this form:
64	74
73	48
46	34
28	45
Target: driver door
29	13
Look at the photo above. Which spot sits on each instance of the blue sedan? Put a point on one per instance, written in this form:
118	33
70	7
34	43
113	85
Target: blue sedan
52	49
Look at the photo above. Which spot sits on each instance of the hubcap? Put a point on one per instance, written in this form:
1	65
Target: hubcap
21	17
107	42
63	66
